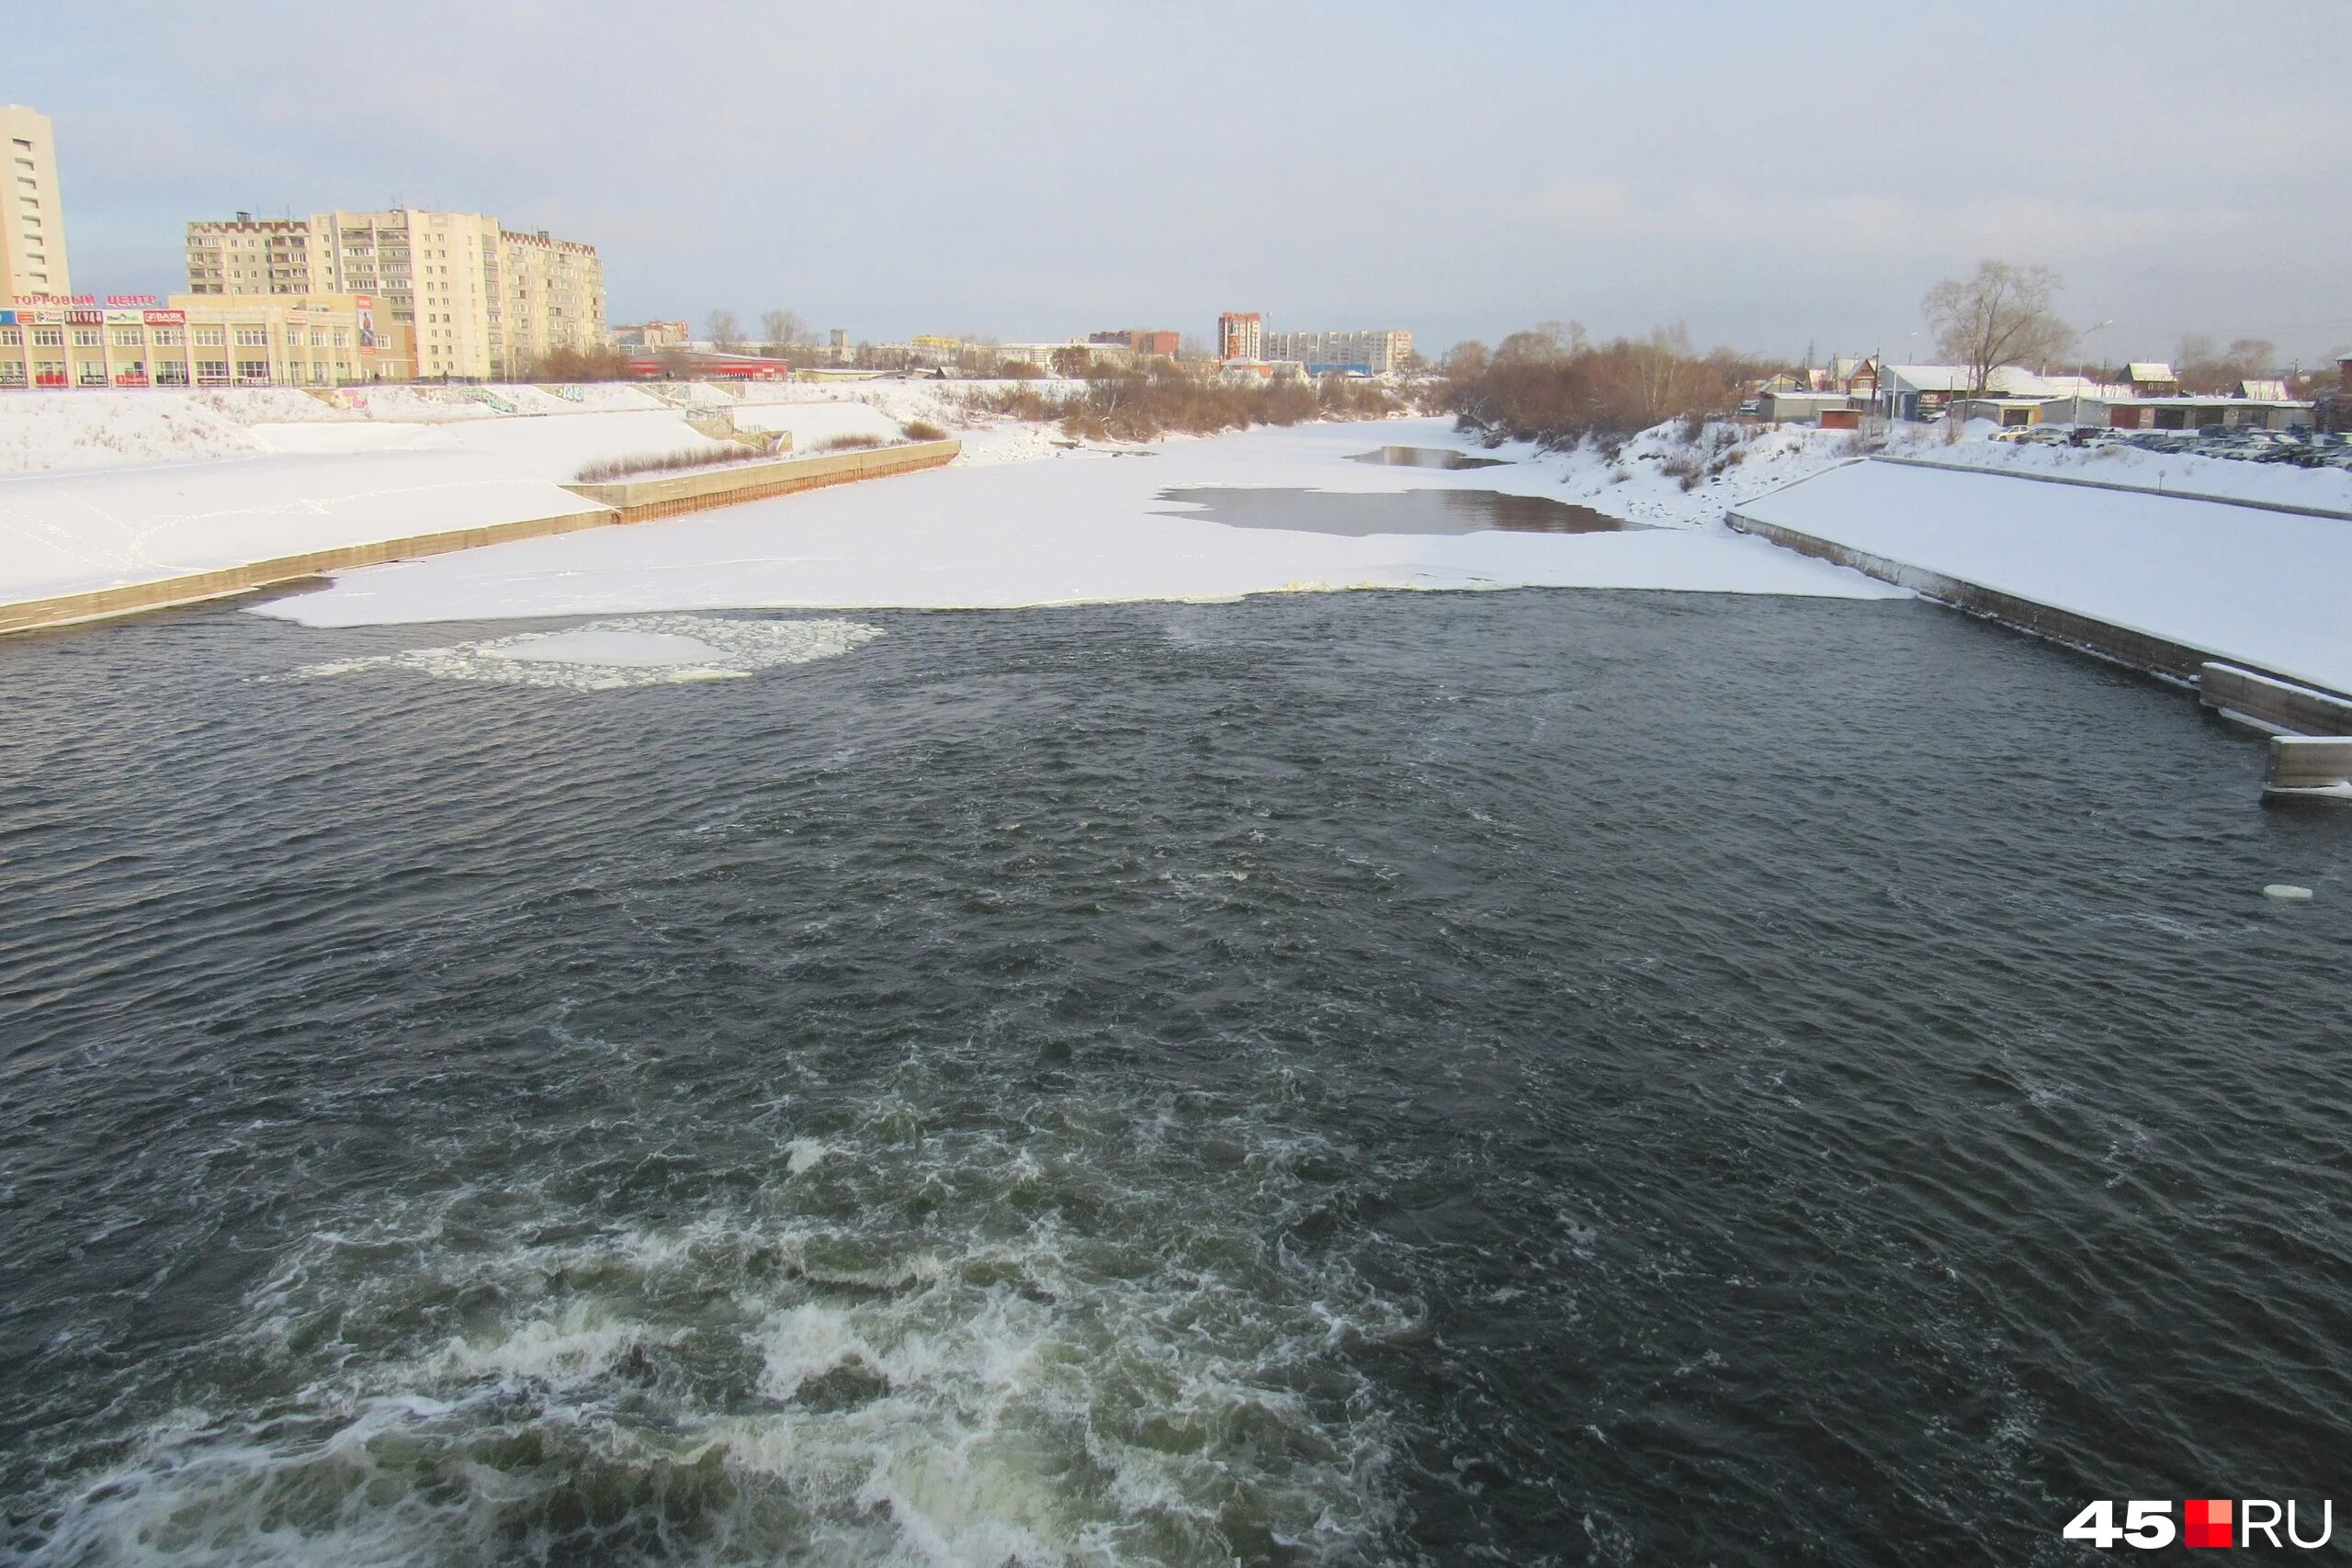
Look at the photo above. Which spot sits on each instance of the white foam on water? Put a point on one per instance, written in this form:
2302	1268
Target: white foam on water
812	1375
645	650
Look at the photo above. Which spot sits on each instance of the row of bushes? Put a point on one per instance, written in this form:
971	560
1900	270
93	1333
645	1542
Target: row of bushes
1163	399
1554	386
605	469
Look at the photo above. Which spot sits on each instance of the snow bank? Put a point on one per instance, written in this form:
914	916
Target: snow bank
2118	463
2264	588
1090	528
72	431
606	397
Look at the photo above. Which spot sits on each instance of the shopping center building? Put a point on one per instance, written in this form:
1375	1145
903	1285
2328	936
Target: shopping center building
64	341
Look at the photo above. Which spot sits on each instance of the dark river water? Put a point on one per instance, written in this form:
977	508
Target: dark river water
1378	1078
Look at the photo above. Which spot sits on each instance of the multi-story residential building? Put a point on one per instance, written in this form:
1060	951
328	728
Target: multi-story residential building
482	301
555	298
209	340
1240	334
651	335
32	234
1374	353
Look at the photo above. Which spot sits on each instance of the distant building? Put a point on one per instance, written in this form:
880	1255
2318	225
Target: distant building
1046	356
933	348
1167	345
32	237
649	336
1370	352
1241	334
484	300
2153	380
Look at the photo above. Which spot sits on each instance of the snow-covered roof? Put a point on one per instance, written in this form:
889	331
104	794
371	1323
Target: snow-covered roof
2152	371
1929	377
2015	381
2263	390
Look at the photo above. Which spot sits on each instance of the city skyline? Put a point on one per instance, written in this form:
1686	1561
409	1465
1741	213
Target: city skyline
1785	180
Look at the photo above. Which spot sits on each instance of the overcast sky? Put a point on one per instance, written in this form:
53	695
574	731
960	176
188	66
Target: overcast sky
1773	173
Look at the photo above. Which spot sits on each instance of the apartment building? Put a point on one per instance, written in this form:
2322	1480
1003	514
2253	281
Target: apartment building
1240	334
257	340
1374	353
555	296
481	301
646	336
32	234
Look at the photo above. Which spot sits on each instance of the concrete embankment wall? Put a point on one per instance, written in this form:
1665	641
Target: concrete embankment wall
603	506
2156	655
2164	584
195	588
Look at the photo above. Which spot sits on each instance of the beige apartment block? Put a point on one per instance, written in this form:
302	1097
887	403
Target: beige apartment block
481	302
555	296
32	234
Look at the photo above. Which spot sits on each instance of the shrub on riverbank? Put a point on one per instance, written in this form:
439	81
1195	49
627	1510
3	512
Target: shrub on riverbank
1169	400
1555	387
604	470
1146	405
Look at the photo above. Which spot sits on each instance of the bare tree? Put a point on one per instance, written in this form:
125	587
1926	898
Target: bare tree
782	328
2203	369
1999	316
725	334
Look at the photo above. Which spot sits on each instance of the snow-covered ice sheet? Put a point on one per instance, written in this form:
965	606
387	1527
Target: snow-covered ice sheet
611	655
2269	589
1090	529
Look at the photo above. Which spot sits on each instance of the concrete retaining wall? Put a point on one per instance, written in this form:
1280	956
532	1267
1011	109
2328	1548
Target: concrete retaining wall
2159	656
668	495
2301	762
195	588
2265	699
2285	704
634	501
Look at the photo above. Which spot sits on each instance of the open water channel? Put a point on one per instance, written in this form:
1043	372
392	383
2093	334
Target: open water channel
1518	1077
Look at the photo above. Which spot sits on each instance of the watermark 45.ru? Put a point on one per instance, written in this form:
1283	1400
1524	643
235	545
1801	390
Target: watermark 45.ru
2205	1522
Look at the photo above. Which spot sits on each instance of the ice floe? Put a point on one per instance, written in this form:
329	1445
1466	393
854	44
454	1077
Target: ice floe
646	650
